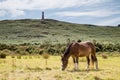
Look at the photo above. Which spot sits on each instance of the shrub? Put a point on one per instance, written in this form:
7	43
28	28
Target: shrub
2	55
3	46
41	52
99	47
46	56
104	56
43	22
79	40
9	47
30	50
63	49
21	52
13	56
51	51
118	25
19	57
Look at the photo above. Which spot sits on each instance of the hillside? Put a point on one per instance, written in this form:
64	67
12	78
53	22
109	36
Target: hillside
38	31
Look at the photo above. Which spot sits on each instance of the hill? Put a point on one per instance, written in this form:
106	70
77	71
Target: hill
39	31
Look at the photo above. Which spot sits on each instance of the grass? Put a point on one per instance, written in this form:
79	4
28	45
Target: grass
35	31
53	31
35	69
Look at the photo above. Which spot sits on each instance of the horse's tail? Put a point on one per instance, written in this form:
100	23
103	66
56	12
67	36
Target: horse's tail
68	49
93	54
93	48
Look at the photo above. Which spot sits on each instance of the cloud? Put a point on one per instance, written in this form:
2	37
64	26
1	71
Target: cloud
45	4
16	13
97	13
2	13
113	22
18	7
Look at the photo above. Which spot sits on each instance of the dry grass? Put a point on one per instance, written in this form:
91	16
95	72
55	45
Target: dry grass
34	69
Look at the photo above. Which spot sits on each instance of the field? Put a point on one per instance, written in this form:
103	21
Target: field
39	31
35	68
23	41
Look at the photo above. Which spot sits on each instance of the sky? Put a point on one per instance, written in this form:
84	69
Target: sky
96	12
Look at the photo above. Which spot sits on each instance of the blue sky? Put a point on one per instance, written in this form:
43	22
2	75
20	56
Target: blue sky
97	12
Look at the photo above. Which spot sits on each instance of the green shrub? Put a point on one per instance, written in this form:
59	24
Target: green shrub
41	52
79	40
21	52
51	51
19	57
45	56
3	55
9	47
30	50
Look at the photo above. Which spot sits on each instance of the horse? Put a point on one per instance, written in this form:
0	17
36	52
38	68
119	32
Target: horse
80	49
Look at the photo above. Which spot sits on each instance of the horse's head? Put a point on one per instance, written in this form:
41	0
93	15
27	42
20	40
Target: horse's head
64	62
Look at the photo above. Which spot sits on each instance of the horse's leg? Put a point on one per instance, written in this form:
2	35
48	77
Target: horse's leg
76	63
94	59
75	60
96	63
88	62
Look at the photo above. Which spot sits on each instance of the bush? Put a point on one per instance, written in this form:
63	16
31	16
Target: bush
9	47
21	52
45	55
7	52
51	51
30	50
2	55
104	56
63	49
79	40
41	52
118	25
100	47
19	57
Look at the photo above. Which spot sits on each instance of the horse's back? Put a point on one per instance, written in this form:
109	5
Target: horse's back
92	46
81	49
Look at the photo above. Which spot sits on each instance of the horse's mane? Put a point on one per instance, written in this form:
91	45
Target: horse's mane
67	50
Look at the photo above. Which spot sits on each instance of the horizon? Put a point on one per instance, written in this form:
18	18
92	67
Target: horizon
96	12
61	21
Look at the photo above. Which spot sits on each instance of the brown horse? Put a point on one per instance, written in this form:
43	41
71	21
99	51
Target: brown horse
77	50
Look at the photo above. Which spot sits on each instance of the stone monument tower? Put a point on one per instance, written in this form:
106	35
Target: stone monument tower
42	15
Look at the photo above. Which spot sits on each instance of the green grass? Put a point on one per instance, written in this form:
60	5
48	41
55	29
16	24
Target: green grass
37	31
35	69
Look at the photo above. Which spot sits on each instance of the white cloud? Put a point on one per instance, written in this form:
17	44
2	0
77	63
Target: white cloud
45	4
2	13
16	6
16	13
97	13
113	22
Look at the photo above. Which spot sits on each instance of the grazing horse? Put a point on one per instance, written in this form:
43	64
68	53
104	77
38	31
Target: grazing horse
82	49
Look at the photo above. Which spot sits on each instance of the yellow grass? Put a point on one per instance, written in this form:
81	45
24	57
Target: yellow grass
34	68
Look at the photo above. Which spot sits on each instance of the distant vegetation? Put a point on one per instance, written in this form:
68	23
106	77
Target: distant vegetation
38	31
52	49
118	25
50	36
